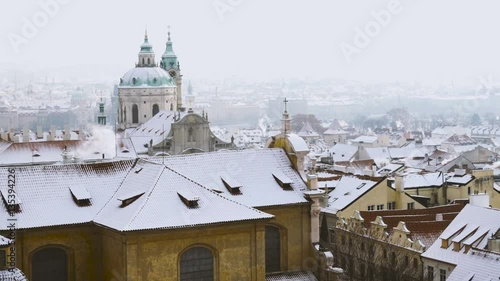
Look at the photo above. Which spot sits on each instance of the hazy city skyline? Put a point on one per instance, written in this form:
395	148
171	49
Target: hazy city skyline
420	41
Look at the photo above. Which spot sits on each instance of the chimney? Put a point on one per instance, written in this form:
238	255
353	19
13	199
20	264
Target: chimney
26	134
81	135
480	199
494	242
39	133
67	132
11	136
312	181
52	135
399	183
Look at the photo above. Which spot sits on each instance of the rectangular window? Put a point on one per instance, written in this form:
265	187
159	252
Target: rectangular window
411	205
380	207
442	275
371	207
391	205
430	273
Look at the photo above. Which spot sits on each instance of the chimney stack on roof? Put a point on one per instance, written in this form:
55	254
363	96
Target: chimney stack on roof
39	132
52	135
26	134
67	132
399	183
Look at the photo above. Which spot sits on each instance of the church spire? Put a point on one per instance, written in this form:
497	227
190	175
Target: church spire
169	59
285	119
146	55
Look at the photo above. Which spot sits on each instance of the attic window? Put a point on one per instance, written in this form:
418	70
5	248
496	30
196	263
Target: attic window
284	181
12	204
232	185
80	195
35	153
361	186
129	198
188	198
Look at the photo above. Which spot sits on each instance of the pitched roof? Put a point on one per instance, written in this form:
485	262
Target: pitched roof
46	195
130	195
463	228
347	190
253	169
160	207
156	129
307	131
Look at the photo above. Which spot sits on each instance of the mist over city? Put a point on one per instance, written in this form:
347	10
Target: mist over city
250	140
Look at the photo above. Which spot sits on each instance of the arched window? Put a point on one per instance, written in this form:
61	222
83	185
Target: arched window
197	263
156	109
149	61
171	107
124	115
135	114
273	249
49	263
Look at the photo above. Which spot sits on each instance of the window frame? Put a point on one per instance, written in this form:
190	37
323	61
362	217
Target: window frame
215	256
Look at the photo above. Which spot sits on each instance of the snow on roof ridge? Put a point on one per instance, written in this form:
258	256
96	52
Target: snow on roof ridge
148	191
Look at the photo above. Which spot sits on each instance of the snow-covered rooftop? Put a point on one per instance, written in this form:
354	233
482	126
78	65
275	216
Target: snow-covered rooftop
476	262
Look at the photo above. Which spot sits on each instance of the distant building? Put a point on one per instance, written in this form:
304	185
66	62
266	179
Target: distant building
148	89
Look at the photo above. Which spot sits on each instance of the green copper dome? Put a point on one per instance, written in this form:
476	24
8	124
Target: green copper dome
146	77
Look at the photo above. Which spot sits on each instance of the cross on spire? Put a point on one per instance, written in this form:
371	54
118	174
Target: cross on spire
168	28
285	101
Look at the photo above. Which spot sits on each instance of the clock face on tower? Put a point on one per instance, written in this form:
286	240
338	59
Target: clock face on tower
172	73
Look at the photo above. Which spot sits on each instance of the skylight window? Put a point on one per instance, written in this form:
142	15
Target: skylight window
360	186
232	185
188	198
80	195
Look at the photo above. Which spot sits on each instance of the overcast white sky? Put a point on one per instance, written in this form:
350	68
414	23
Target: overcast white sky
257	39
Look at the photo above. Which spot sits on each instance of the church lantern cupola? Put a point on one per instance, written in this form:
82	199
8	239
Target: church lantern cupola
146	55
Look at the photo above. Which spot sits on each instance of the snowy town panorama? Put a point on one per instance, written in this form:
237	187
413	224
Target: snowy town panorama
231	140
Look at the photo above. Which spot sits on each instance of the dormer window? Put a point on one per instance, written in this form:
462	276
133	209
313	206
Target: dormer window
284	181
12	202
130	198
188	198
80	195
232	185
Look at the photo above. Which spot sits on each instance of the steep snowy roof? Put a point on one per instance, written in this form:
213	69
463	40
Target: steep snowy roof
161	204
46	195
252	168
483	265
347	191
343	152
156	129
307	131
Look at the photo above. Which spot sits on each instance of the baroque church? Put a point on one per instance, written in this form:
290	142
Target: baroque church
151	117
